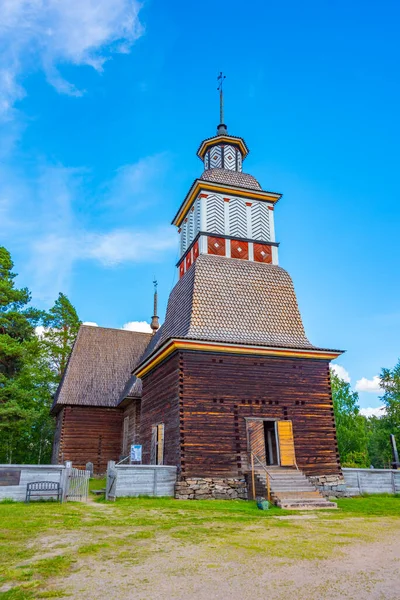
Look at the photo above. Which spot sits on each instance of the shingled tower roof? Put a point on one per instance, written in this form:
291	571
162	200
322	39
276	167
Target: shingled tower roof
100	366
226	300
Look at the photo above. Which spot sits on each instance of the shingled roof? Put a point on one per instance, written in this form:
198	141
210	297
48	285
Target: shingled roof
231	300
100	366
229	177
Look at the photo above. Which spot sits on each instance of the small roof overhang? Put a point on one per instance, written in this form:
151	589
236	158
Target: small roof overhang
223	139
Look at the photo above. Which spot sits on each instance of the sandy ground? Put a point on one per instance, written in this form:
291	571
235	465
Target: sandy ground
358	570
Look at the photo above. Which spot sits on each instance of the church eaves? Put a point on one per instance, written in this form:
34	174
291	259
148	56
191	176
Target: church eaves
99	367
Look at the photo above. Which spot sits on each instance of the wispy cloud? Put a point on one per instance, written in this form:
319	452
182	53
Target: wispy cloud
46	213
371	386
48	34
121	246
341	372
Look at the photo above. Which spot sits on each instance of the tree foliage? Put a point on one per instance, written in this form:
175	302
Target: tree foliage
350	424
61	328
30	368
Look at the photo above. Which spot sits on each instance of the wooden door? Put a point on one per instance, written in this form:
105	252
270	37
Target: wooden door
286	444
256	437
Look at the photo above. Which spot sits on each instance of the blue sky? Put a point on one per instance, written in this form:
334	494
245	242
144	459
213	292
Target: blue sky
102	108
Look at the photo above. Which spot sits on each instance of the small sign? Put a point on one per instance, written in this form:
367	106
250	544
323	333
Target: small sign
9	477
136	453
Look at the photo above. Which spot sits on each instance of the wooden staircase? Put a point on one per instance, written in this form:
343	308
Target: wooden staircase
290	489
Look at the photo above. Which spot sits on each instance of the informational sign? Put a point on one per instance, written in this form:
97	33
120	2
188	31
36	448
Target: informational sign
136	453
9	477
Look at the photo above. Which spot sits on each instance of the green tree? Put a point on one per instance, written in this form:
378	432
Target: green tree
350	424
61	328
18	346
379	429
390	383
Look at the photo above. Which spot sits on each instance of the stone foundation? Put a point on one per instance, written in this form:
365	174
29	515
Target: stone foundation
210	488
330	486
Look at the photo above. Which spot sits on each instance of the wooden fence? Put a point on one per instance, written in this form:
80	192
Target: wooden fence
372	481
139	480
14	479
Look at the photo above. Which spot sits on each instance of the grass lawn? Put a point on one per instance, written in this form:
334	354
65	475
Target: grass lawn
129	548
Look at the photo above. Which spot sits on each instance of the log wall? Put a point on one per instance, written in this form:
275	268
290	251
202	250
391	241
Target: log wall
90	434
132	413
218	392
160	404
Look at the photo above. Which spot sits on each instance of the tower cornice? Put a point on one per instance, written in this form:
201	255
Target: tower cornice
200	186
217	140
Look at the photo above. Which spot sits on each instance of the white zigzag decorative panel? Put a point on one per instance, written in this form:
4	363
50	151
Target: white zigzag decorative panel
183	237
190	225
260	221
239	161
237	218
196	217
230	158
215	214
215	154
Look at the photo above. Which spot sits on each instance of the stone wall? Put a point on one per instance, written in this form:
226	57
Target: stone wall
331	486
207	488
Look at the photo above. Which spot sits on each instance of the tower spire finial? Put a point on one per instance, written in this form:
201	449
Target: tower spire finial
221	129
154	320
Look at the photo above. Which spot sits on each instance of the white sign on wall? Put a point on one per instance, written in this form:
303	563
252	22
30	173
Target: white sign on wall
136	453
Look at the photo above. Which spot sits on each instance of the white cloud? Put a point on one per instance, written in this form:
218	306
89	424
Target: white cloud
373	412
371	386
122	246
48	215
341	372
141	326
47	34
90	323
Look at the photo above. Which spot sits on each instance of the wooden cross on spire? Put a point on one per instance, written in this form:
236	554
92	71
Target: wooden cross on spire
220	80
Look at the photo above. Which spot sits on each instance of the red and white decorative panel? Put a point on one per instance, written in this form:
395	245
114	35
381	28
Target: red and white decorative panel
260	229
195	250
239	249
181	269
188	260
262	253
216	245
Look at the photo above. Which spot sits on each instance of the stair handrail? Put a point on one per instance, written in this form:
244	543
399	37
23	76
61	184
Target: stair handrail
268	476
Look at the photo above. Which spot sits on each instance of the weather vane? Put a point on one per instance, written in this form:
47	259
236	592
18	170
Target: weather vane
220	80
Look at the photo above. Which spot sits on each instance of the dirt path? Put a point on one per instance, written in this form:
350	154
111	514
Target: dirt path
182	571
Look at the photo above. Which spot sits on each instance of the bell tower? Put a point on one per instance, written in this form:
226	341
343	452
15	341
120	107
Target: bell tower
226	212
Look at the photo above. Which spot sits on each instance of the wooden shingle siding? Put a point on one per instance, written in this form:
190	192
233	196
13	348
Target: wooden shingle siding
219	391
160	404
91	434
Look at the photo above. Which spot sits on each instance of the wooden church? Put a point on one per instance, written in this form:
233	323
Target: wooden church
230	374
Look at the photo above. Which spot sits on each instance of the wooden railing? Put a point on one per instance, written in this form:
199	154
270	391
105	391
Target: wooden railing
253	477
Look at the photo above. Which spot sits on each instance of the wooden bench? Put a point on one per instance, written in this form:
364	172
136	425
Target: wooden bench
43	488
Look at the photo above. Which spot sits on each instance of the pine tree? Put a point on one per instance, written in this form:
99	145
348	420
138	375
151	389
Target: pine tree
61	328
18	346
